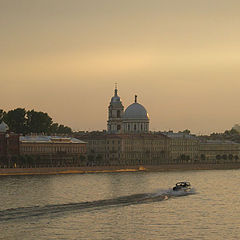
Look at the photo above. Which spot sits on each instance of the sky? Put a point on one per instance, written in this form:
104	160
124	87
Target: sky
182	59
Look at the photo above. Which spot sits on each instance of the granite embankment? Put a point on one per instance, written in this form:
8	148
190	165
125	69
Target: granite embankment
105	169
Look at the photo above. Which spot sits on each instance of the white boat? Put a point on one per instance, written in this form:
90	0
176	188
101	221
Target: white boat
182	186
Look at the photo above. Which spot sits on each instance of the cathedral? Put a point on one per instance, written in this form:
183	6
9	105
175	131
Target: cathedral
134	119
127	140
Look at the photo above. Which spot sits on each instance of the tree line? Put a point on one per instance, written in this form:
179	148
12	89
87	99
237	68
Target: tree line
231	135
25	122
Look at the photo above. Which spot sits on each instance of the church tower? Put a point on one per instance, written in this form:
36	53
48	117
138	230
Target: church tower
115	114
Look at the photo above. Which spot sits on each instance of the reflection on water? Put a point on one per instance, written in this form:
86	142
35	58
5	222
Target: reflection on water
139	205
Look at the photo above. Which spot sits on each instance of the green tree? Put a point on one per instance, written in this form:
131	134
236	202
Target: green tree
183	157
21	121
64	130
224	156
186	131
2	113
53	128
38	122
99	159
16	120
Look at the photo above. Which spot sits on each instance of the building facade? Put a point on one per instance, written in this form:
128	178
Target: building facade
9	146
219	151
128	141
126	149
184	148
134	119
55	150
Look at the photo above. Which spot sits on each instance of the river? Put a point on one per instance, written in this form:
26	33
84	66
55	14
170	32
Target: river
121	206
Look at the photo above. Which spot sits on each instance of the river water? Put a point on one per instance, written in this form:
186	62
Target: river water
120	206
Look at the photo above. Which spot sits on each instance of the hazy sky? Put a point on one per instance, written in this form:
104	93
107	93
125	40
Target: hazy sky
181	57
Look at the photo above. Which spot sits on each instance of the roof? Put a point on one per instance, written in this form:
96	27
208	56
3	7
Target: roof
49	139
179	135
136	111
218	142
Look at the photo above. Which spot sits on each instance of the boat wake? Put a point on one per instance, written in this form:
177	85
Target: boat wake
37	211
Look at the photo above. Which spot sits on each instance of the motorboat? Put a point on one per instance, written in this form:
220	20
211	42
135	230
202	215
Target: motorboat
184	186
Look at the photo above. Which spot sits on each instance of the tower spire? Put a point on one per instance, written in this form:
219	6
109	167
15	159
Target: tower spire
116	89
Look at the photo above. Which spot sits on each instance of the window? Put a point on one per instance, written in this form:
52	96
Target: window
118	114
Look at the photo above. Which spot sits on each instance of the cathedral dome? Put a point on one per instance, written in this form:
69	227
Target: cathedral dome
136	111
4	127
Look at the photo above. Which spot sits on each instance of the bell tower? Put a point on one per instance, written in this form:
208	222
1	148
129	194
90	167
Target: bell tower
115	114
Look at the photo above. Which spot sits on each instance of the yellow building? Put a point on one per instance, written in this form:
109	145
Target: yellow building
126	149
184	148
54	150
218	151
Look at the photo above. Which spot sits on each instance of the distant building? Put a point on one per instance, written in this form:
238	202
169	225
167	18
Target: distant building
41	144
9	145
134	119
219	151
127	140
115	114
126	149
183	147
53	149
237	127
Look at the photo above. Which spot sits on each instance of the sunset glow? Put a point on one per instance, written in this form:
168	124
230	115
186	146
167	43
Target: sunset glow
180	57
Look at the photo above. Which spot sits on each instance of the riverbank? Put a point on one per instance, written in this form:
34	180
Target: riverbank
105	169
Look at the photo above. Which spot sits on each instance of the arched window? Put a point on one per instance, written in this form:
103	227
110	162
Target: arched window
128	127
135	127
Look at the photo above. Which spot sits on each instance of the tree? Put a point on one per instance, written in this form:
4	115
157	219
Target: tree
2	113
21	121
224	156
53	128
38	122
16	120
182	157
64	130
99	159
91	159
186	131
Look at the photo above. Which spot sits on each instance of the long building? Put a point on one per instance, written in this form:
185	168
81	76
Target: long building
128	141
126	149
